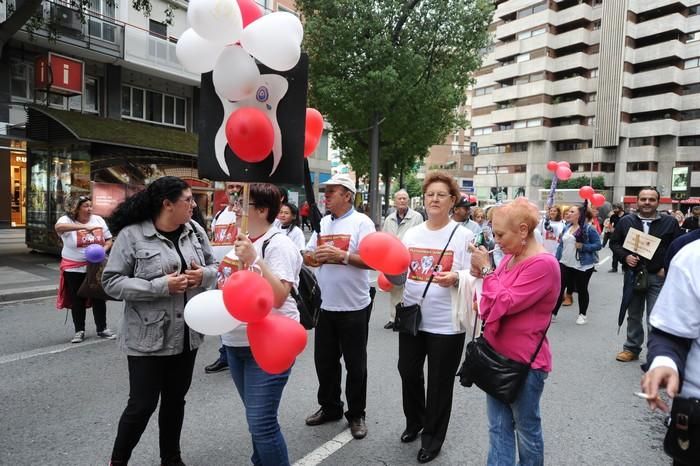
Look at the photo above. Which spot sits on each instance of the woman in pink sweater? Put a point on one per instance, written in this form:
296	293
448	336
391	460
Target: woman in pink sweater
516	307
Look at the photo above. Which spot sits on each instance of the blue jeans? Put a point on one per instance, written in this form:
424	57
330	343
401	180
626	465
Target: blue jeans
521	418
261	394
635	313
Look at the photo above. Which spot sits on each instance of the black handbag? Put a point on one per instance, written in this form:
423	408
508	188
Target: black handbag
92	284
682	441
408	318
497	375
641	279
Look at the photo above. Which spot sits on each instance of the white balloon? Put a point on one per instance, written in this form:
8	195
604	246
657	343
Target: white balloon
195	54
219	21
275	40
236	75
207	314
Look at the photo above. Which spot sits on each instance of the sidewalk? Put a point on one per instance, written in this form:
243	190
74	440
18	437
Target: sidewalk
25	274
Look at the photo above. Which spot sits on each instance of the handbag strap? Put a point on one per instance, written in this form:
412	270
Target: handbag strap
539	345
430	279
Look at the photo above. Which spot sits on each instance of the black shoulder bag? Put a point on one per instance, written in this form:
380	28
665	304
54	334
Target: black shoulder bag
682	441
408	318
497	375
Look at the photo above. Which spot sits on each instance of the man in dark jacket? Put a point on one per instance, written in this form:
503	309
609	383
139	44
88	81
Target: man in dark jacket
664	227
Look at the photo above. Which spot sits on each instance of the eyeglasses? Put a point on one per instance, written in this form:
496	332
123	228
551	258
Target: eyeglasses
440	195
188	200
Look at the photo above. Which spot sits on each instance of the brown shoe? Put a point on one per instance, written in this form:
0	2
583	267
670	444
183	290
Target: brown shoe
568	300
358	429
321	417
626	356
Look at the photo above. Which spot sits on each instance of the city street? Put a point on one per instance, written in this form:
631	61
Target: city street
61	402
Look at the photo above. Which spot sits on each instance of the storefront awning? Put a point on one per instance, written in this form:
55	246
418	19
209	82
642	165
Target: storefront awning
90	128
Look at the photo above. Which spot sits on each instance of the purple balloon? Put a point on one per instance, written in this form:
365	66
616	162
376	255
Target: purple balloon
94	253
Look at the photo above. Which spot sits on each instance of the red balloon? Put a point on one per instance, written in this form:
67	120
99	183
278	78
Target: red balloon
275	342
552	166
250	134
250	11
586	192
564	164
563	173
384	252
247	296
383	283
314	123
597	200
310	144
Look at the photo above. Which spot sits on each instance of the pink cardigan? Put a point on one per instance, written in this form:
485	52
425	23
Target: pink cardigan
516	306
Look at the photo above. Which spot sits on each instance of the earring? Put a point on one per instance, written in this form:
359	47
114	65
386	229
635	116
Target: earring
523	242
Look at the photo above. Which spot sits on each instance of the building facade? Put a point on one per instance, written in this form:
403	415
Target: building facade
134	118
611	86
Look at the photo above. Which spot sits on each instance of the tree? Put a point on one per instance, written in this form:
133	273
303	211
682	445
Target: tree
575	183
408	61
28	13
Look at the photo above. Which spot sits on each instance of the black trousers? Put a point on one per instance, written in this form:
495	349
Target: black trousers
575	279
432	410
73	280
342	333
150	378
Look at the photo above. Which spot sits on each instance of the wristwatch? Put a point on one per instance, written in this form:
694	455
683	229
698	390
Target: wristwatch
346	260
486	270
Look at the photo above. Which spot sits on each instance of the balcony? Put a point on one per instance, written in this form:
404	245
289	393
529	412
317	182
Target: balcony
574	14
657	26
573	108
687	154
523	24
512	6
97	33
671	48
575	60
156	53
518	113
689	128
669	74
652	103
519	69
576	36
667	127
517	47
569	132
518	91
641	6
575	84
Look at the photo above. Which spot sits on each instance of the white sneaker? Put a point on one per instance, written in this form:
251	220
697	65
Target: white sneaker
581	320
554	318
78	337
107	334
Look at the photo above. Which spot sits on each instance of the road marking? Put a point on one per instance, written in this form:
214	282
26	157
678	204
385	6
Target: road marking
326	450
48	350
605	259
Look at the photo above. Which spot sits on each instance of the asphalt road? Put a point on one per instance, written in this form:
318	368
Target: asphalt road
61	402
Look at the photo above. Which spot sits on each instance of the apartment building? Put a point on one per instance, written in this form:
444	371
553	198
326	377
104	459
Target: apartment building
129	116
611	86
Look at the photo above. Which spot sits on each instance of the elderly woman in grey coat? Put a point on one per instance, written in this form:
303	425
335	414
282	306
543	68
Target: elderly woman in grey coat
160	260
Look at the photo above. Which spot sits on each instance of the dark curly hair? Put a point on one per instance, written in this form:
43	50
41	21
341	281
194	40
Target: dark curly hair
146	204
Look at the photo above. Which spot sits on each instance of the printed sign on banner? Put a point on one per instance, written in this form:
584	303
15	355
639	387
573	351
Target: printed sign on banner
640	243
282	97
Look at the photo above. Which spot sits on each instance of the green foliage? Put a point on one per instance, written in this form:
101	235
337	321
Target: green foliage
575	183
412	184
409	61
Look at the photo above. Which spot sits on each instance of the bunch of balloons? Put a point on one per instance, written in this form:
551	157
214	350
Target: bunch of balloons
227	36
562	170
247	297
384	252
589	194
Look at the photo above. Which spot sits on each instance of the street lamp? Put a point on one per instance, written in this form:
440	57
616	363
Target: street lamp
489	168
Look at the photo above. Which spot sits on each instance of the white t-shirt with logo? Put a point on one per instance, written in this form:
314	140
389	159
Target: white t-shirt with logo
75	242
550	238
283	258
343	287
223	233
425	246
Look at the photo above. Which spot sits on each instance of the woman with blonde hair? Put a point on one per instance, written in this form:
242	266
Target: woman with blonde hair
516	307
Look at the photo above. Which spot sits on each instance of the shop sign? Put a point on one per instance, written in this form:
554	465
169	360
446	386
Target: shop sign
58	74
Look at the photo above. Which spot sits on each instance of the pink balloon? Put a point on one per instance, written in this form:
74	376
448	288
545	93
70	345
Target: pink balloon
247	296
552	166
275	342
585	192
250	11
597	200
564	163
563	173
383	283
385	252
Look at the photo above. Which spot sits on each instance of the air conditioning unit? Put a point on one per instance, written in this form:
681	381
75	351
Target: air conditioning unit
67	18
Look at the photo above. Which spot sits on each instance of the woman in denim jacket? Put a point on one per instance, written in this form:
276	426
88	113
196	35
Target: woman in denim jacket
159	260
578	255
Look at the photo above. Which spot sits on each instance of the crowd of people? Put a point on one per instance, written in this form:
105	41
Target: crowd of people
527	265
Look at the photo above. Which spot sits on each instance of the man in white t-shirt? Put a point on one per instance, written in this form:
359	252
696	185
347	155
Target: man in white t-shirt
345	307
223	234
